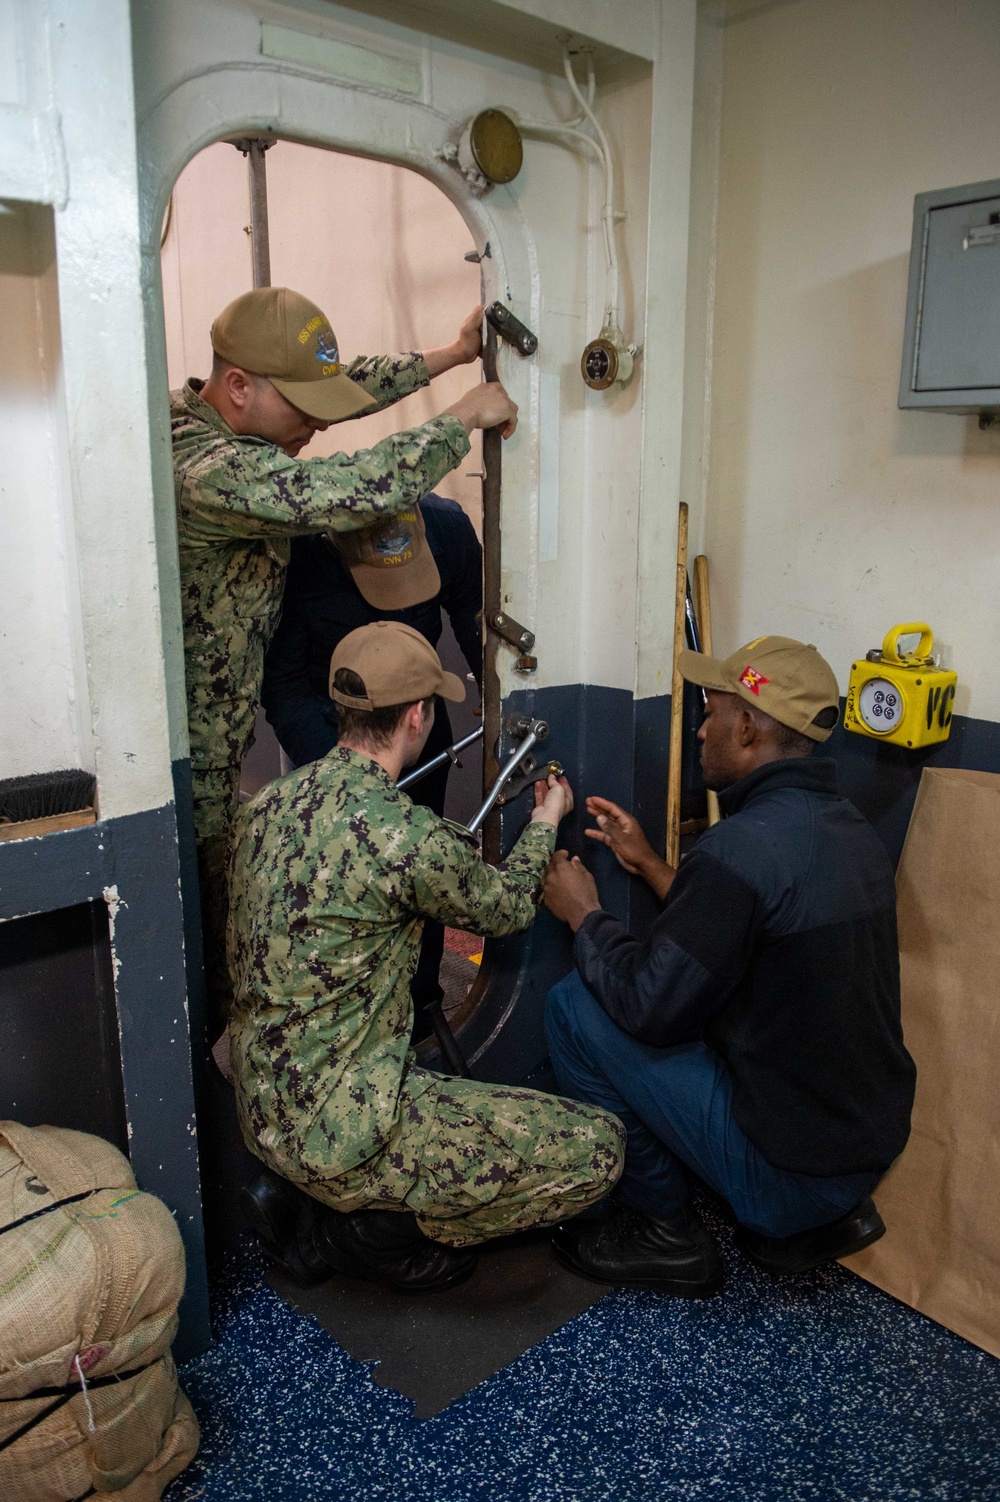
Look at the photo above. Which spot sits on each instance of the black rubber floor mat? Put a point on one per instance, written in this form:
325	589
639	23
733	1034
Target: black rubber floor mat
435	1347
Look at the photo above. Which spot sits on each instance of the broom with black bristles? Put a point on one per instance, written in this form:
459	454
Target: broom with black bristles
42	802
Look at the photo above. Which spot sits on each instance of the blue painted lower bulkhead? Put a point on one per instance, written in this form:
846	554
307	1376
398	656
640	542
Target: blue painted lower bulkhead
92	940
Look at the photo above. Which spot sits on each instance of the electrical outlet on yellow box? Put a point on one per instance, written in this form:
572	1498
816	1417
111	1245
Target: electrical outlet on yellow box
901	697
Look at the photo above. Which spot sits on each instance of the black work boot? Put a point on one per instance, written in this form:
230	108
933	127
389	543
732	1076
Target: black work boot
675	1256
284	1219
805	1250
387	1246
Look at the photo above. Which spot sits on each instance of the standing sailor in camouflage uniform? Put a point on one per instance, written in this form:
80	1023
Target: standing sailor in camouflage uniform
243	494
334	870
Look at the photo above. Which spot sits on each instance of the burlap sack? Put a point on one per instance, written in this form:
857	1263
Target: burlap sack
941	1200
91	1271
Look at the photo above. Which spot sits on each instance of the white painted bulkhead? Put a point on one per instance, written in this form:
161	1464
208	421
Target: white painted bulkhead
43	676
82	622
201	76
191	73
830	515
826	512
209	80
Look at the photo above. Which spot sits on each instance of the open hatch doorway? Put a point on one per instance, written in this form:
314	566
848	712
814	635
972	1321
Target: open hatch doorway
388	256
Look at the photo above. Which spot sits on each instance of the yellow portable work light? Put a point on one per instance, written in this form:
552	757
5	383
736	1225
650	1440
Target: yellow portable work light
901	697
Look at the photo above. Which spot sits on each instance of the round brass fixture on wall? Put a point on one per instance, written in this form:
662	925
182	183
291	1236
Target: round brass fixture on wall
599	364
496	146
608	360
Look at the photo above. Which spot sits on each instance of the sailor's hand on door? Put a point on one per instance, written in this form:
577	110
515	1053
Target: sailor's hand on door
469	343
553	801
486	406
623	835
570	892
463	349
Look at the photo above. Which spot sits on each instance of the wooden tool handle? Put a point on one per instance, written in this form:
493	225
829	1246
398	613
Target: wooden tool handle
703	610
673	851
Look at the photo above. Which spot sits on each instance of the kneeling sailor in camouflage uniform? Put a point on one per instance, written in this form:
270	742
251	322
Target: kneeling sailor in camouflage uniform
334	870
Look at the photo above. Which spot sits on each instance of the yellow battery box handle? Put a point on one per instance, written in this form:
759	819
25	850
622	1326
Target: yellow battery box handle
890	647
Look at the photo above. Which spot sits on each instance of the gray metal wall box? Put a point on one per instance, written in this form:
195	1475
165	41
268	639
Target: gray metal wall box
951	352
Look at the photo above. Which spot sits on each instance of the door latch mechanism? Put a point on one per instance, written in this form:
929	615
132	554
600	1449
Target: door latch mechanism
512	329
530	772
515	635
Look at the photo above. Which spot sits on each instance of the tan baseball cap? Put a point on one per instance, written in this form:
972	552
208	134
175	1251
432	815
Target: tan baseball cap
280	334
786	679
391	563
396	665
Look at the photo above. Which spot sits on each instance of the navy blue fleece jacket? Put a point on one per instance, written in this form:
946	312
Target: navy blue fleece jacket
777	945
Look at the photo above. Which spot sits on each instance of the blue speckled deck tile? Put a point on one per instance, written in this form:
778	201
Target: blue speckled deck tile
813	1389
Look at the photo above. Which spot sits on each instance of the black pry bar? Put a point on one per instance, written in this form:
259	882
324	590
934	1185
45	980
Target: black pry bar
446	1040
512	329
693	634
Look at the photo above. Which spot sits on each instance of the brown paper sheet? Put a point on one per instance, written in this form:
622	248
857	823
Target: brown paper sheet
941	1199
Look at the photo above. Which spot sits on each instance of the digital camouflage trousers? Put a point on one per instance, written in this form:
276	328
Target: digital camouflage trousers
474	1161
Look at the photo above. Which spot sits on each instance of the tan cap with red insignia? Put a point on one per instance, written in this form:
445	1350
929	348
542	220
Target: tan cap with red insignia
787	679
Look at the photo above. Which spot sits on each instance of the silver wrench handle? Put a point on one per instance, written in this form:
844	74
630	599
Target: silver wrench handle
451	754
537	733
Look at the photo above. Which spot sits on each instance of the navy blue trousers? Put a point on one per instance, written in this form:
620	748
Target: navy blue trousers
677	1106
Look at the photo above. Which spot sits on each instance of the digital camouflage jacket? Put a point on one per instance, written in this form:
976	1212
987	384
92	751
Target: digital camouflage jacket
240	501
333	870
